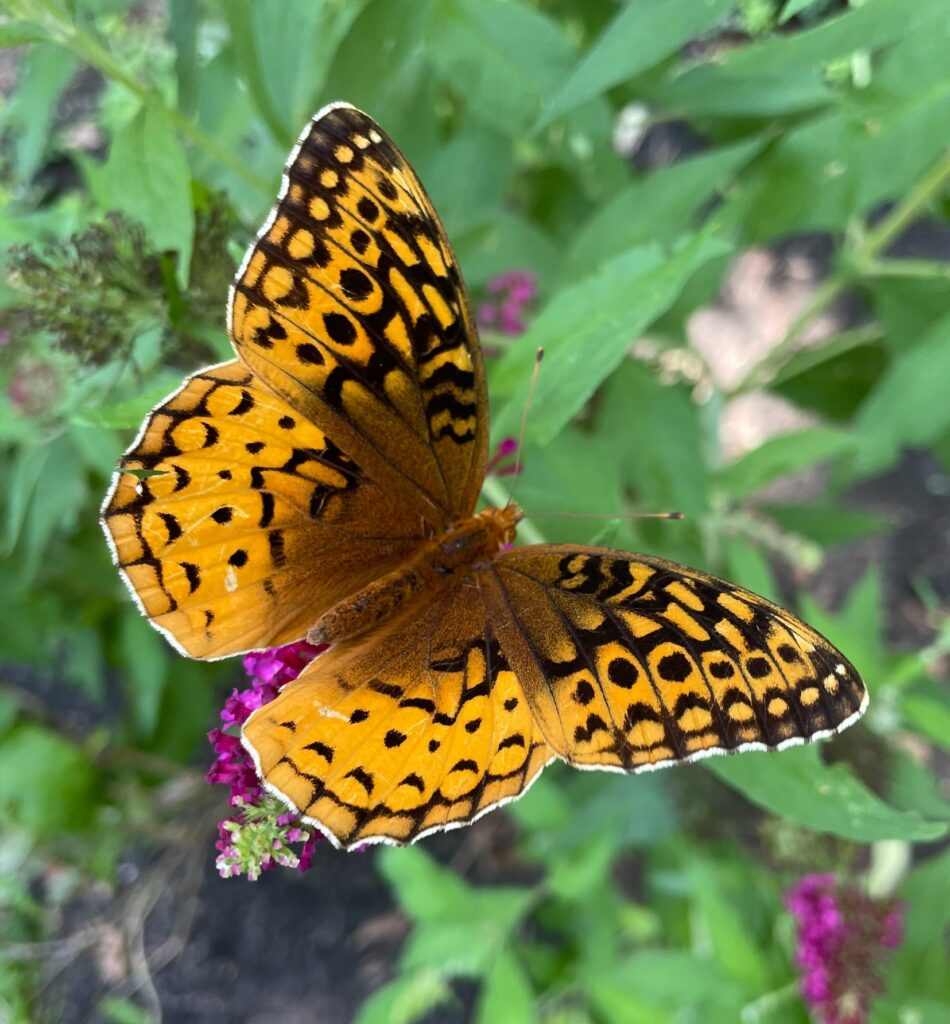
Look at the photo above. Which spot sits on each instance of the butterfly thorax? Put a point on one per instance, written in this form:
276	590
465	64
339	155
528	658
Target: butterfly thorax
464	546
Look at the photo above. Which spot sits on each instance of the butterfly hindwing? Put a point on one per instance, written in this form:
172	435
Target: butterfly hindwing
236	522
351	305
421	729
630	662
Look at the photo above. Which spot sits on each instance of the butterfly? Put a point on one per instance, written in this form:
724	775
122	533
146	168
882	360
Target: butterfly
323	484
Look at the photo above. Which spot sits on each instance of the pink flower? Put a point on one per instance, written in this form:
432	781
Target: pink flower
506	448
510	293
257	835
844	939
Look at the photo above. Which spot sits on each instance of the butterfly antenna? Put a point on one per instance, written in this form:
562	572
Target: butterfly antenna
538	356
622	515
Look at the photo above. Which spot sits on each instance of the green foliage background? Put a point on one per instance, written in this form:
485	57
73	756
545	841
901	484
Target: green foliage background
819	116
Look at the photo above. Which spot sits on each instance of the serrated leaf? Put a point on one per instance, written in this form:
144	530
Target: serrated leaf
660	207
640	36
795	784
587	329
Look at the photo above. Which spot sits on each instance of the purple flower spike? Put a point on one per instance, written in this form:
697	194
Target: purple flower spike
260	832
844	940
506	448
511	292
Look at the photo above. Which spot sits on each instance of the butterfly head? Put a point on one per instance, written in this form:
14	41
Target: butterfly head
502	523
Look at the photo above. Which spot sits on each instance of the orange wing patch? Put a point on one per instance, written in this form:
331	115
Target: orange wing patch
631	662
425	729
229	511
351	305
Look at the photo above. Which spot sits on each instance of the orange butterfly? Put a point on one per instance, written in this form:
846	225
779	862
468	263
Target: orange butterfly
323	485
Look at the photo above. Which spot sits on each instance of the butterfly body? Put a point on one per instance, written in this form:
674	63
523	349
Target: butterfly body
324	484
464	546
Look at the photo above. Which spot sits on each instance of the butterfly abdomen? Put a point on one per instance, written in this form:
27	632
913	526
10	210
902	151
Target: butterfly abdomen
465	545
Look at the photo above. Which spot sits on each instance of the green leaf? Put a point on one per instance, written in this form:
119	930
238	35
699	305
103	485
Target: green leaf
640	36
911	787
405	999
147	178
827	524
734	948
793	7
47	785
660	207
782	455
20	33
144	654
927	707
835	387
909	404
670	475
128	414
506	996
654	986
586	331
509	55
795	784
460	929
42	75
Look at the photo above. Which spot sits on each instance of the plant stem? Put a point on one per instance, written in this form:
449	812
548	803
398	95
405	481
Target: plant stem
89	49
862	261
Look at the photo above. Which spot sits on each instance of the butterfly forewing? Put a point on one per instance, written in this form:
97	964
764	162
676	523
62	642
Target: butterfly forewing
351	305
632	662
422	729
236	522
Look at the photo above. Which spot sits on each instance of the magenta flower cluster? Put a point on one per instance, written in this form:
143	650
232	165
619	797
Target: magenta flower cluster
509	293
268	671
845	938
498	463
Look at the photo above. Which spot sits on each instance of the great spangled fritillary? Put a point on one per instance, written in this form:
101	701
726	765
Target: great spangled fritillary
324	483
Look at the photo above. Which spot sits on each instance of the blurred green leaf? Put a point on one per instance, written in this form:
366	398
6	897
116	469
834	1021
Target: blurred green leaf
652	986
405	999
43	73
927	708
827	524
510	55
146	177
641	35
735	949
506	996
587	329
837	386
145	655
671	472
782	455
47	784
793	7
659	207
459	929
795	784
912	787
890	419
